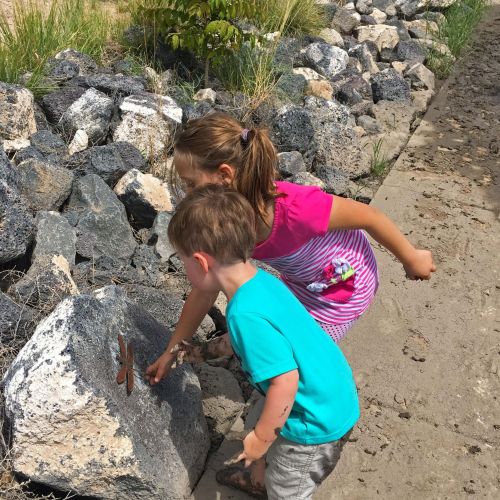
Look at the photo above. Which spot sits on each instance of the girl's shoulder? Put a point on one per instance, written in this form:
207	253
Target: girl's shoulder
300	213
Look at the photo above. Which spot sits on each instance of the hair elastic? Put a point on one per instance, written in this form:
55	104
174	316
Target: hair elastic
244	134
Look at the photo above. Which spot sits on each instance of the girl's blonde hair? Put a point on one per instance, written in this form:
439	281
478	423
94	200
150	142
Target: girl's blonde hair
217	138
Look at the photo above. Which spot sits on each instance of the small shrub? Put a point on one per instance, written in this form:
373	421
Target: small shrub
38	32
204	27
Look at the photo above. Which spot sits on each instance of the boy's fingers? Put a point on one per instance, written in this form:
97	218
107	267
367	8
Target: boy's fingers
238	457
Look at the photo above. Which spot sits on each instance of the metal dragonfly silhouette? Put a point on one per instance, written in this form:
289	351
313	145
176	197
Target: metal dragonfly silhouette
127	364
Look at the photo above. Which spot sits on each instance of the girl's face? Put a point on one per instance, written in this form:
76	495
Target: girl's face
193	177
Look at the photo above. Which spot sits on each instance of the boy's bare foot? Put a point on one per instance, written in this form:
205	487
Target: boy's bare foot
239	477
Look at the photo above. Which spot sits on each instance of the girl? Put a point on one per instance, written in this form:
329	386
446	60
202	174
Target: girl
312	238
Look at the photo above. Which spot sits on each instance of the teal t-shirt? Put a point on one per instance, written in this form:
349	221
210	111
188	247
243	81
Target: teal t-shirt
272	333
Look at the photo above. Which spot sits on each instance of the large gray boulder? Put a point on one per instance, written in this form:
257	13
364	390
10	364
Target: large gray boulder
100	219
85	64
92	113
45	185
74	428
54	236
113	85
16	221
110	162
17	112
326	59
292	130
337	144
148	122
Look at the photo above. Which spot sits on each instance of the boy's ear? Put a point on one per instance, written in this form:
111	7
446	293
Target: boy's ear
227	174
203	260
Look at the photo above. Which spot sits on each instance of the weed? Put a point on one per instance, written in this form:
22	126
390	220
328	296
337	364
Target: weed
291	17
37	32
379	162
455	31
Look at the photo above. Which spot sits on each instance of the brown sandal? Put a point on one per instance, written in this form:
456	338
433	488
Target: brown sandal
240	478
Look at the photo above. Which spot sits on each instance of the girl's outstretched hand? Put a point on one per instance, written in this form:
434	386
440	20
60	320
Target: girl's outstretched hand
421	266
160	368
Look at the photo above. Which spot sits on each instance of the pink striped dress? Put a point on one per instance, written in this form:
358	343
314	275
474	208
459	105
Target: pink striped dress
302	249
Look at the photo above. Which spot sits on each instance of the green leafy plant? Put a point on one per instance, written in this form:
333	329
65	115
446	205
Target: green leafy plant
205	27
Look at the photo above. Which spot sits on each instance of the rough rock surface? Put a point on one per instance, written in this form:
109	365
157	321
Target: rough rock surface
290	163
144	196
113	85
16	320
16	221
222	400
91	112
85	63
46	186
101	221
389	85
56	103
148	122
75	429
159	236
410	50
336	181
326	59
48	143
110	162
384	36
17	113
337	144
46	283
54	236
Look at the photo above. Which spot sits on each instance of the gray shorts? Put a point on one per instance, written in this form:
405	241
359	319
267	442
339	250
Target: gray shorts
295	470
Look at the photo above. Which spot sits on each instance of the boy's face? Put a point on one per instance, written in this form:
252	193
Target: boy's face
198	272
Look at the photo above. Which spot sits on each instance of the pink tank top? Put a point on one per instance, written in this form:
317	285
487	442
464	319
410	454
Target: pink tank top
333	273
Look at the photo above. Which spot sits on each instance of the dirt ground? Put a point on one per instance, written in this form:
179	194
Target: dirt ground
427	355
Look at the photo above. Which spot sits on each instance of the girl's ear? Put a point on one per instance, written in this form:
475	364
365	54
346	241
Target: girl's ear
202	261
227	174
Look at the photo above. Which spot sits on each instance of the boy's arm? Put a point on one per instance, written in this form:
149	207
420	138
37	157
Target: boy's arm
197	305
350	214
277	407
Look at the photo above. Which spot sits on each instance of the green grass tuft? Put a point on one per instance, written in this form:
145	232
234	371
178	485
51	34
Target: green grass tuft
456	32
379	162
37	32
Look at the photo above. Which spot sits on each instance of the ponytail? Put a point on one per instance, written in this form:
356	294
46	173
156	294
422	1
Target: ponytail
255	178
216	138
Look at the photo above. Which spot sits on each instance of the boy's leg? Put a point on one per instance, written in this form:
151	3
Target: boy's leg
296	470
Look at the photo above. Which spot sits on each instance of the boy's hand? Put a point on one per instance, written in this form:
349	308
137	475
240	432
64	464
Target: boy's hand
253	448
160	368
421	266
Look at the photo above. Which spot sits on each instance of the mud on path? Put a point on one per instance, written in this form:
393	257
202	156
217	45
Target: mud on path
427	355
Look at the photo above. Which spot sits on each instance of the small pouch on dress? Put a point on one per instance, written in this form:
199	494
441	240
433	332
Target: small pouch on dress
337	281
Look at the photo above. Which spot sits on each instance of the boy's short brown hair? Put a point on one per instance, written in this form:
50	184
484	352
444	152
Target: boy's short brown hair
215	220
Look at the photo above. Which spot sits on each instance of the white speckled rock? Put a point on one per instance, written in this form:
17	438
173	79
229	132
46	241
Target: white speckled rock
74	428
144	196
205	95
384	36
326	59
80	142
308	73
148	122
17	112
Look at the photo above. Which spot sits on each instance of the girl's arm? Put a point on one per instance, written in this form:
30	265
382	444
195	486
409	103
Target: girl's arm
197	305
277	407
350	214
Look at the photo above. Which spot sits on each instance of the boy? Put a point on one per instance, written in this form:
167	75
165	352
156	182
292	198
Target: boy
311	400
